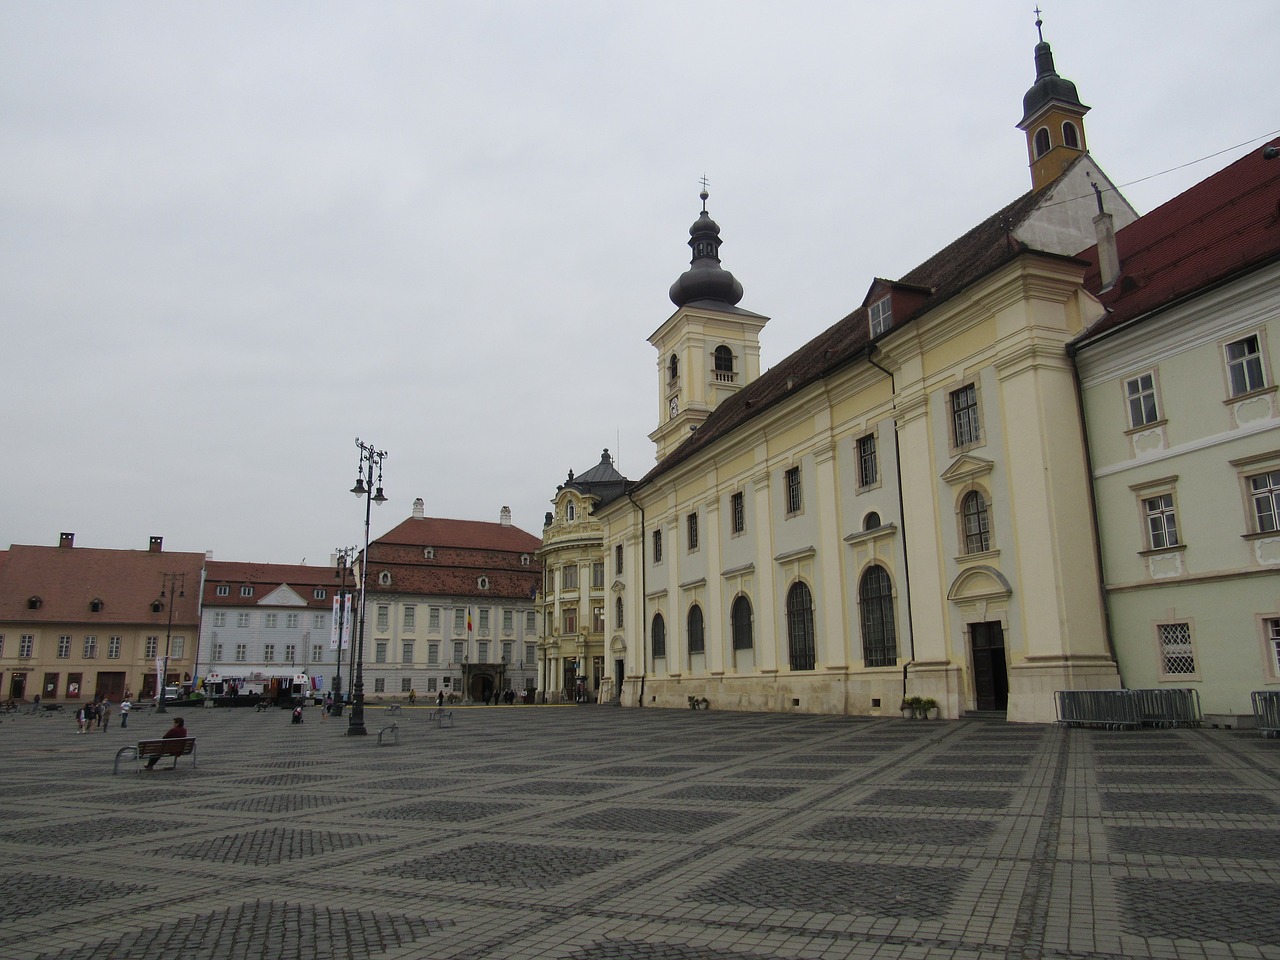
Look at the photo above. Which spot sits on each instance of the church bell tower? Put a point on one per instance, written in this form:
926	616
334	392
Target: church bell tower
1052	119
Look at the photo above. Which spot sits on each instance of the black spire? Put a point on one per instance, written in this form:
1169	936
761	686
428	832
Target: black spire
1049	87
705	279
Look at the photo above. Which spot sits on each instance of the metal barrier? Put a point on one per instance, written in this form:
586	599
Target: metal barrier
1129	709
1266	711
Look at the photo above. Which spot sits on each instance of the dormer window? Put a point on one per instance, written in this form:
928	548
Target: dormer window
429	553
570	511
524	559
1042	142
384	579
319	593
156	606
880	316
246	591
673	369
34	603
223	590
95	605
483	583
1069	135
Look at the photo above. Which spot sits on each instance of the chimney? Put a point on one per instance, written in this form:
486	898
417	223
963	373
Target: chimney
419	509
1108	254
67	540
157	544
504	517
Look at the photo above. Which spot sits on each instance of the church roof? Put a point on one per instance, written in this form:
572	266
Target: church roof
1222	227
986	247
603	481
460	534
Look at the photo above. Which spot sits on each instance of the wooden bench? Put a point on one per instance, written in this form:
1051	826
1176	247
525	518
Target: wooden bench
441	717
146	749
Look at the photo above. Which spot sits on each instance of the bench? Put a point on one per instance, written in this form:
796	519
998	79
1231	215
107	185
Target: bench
699	703
146	749
392	733
441	717
393	710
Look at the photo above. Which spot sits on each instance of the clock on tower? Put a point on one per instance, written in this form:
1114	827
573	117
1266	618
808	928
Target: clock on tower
674	406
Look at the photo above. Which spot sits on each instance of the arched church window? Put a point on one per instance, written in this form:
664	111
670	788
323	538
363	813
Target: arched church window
673	368
659	635
1042	142
1069	135
879	637
724	359
800	627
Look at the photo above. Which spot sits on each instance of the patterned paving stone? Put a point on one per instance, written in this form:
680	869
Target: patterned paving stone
1235	843
279	803
558	788
413	783
1201	802
829	759
839	888
924	797
520	865
903	830
642	950
130	798
1180	759
29	895
1167	778
723	793
792	773
270	846
646	820
640	771
267	930
86	831
969	775
451	811
977	760
291	764
281	780
1231	912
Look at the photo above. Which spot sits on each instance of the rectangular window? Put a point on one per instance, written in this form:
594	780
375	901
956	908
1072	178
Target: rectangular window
217	652
483	625
1244	366
617	559
482	651
794	498
319	593
178	647
26	645
737	513
1272	627
458	653
242	620
380	652
433	653
531	652
242	652
271	621
318	621
597	619
291	652
406	652
1	644
246	591
220	618
1162	525
880	315
152	648
506	651
410	618
508	620
1177	655
433	619
317	653
1141	394
597	574
406	684
64	648
384	616
380	685
569	621
459	620
269	653
569	577
431	684
1265	491
90	648
223	590
113	648
291	621
868	466
964	416
530	621
691	526
657	546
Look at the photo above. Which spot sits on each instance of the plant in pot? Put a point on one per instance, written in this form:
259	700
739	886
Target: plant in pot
910	706
928	708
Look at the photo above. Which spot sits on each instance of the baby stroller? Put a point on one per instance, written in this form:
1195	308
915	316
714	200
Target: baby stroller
297	715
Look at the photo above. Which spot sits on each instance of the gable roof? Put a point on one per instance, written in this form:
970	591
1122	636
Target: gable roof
301	578
1224	226
460	534
980	251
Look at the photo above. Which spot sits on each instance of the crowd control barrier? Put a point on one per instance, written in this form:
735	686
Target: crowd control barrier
1129	709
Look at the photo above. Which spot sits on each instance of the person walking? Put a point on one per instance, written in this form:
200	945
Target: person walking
125	706
106	714
177	731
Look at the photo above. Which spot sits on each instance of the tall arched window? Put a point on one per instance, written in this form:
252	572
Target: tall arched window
1042	142
659	635
617	613
570	511
1069	135
977	525
800	627
697	643
879	638
740	619
673	368
724	359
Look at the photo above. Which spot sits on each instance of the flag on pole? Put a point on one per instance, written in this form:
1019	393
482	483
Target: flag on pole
333	627
468	622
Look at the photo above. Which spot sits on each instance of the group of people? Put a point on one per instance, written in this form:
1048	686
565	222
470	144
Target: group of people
97	714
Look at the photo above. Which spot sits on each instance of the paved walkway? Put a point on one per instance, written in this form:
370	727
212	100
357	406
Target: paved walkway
594	833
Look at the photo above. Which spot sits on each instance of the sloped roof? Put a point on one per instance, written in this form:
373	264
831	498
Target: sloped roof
977	253
301	577
462	534
1225	225
68	579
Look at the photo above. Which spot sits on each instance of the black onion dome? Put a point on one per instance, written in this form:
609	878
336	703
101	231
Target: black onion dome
1049	87
705	279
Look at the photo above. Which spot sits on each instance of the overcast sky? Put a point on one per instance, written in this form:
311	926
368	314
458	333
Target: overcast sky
238	235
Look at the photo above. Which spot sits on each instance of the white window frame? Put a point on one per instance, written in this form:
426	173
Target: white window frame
1142	400
1175	641
966	420
793	491
1246	370
866	451
1160	519
880	315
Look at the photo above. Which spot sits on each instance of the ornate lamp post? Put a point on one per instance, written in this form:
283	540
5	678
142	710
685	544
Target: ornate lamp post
370	459
342	571
169	583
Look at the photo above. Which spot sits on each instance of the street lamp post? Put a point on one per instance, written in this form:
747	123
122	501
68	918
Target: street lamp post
344	555
370	459
170	583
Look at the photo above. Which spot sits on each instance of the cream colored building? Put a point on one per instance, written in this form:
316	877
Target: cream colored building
899	508
573	661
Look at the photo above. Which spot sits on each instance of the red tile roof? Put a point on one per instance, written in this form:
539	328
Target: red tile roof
1224	226
265	577
464	534
68	579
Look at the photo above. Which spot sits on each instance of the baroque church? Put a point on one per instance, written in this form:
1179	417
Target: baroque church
895	510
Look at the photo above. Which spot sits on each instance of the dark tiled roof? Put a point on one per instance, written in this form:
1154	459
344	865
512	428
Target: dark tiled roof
466	534
980	251
265	577
1225	225
603	481
68	579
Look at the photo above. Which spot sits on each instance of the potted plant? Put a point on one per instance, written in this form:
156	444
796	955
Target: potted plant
909	707
928	708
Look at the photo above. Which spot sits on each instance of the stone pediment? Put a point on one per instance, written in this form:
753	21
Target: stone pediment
282	596
979	583
966	468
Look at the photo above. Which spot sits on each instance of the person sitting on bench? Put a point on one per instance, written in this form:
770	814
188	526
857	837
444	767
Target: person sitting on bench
177	731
